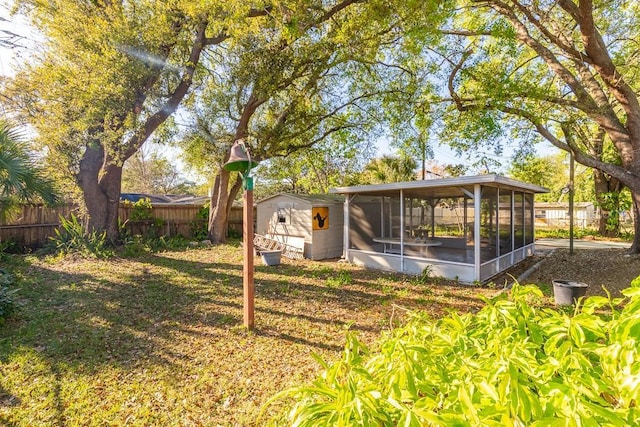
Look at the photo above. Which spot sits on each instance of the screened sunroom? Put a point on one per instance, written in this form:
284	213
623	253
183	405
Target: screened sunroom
467	228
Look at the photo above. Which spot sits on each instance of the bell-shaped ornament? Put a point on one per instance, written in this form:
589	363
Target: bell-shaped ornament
239	158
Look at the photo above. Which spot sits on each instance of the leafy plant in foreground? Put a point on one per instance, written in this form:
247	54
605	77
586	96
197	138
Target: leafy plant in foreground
513	363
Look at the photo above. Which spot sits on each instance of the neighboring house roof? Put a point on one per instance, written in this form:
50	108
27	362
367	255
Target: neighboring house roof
192	200
153	198
313	199
165	198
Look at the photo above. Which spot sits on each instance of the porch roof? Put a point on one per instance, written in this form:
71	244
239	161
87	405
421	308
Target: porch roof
441	187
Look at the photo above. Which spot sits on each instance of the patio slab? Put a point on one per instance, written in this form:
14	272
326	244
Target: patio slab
548	244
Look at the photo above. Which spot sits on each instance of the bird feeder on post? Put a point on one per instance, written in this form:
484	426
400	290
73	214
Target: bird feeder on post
240	161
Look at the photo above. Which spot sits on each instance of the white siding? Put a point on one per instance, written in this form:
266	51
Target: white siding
319	244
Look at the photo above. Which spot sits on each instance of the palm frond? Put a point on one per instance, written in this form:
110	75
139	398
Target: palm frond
21	180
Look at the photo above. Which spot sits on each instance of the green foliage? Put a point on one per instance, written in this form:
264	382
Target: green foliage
20	178
234	234
139	245
342	278
552	172
314	170
7	247
513	363
72	238
199	227
615	203
578	233
149	172
390	169
545	171
142	209
426	276
7	305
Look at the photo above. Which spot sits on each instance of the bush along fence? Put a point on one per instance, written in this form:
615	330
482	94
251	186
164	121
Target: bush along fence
37	223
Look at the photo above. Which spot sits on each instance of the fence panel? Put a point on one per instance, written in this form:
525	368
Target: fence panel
174	220
36	223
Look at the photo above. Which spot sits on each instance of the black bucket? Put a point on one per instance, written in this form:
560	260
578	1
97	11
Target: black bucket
567	292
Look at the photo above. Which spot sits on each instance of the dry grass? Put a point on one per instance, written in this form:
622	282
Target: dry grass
158	340
613	269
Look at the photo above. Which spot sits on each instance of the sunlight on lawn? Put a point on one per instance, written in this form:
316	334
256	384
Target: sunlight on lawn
159	339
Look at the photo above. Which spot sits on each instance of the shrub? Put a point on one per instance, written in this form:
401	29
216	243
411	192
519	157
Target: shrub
72	239
7	247
513	363
142	212
199	227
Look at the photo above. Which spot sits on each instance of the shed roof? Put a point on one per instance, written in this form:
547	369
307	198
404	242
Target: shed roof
441	187
313	199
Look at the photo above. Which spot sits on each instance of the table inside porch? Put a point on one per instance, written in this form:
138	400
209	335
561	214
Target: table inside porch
389	242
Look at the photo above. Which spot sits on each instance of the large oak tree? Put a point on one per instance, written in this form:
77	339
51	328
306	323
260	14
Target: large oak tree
110	73
567	69
322	79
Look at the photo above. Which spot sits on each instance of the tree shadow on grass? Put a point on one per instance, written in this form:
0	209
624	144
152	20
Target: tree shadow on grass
128	317
7	399
89	320
301	292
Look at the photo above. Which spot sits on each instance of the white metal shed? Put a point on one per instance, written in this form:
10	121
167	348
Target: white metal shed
313	223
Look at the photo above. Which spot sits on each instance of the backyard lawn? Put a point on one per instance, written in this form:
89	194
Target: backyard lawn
158	340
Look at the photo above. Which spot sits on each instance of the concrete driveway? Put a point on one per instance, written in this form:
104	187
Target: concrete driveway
548	244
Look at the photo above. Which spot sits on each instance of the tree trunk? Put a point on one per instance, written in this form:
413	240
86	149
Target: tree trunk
219	208
635	246
221	204
212	205
607	192
224	195
100	182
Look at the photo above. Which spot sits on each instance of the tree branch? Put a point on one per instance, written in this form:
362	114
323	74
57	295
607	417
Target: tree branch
565	47
452	90
581	157
465	33
596	50
155	120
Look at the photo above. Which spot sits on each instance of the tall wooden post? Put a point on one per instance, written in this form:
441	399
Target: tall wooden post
571	200
240	161
248	288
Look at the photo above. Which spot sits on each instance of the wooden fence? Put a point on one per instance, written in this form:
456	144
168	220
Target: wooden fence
34	225
37	223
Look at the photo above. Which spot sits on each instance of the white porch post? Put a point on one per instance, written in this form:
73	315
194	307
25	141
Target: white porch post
477	196
382	234
465	221
513	227
401	230
345	238
497	213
